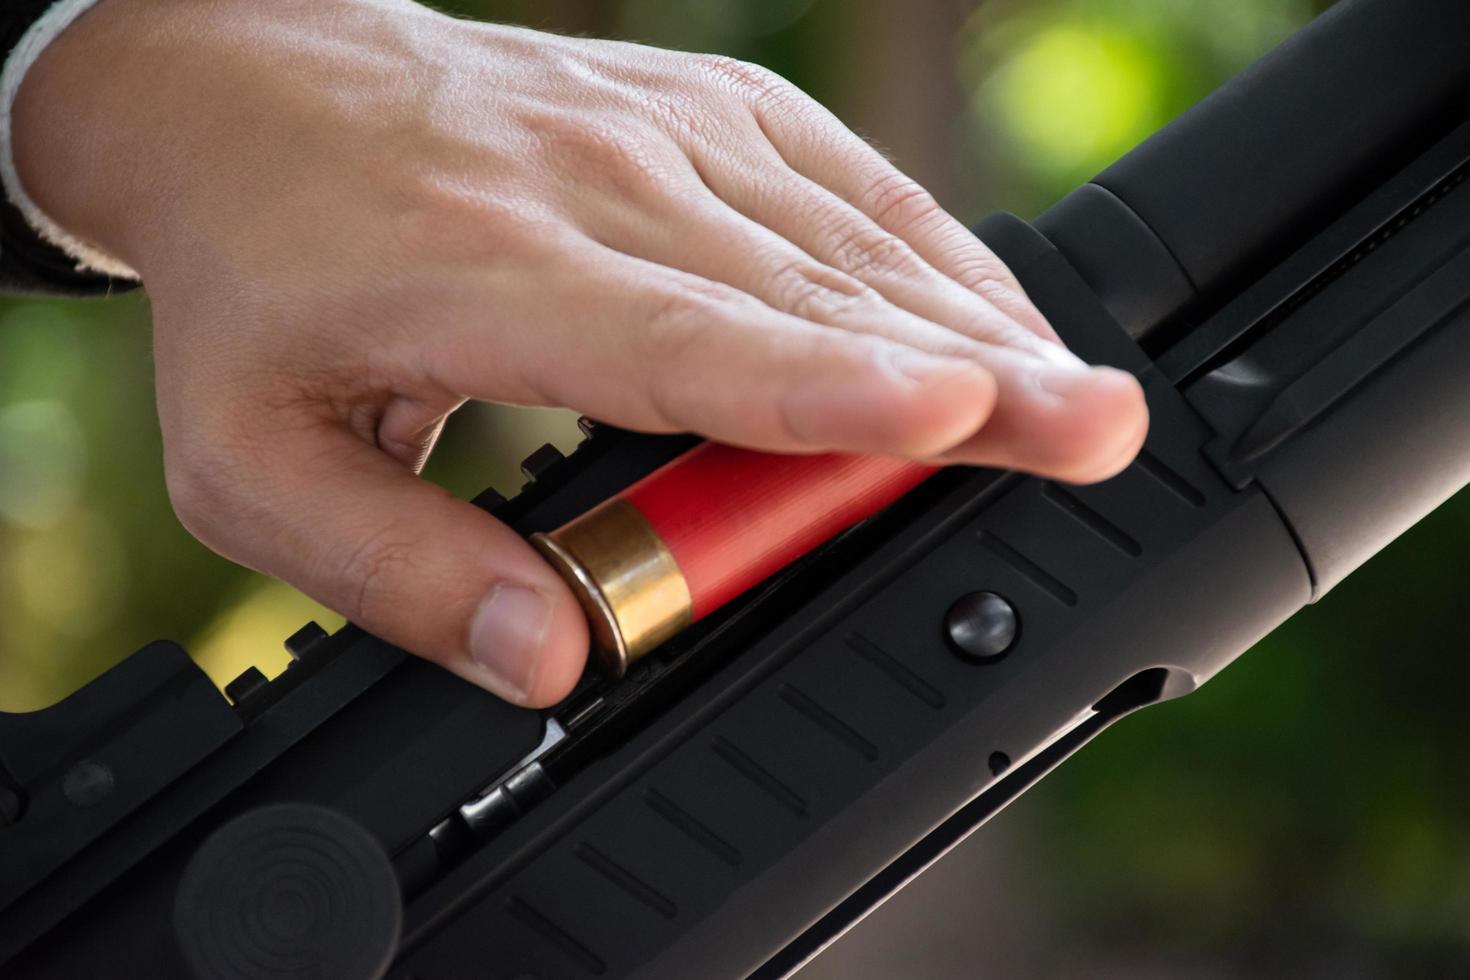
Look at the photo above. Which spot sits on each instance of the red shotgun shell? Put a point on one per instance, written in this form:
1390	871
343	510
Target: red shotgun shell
702	529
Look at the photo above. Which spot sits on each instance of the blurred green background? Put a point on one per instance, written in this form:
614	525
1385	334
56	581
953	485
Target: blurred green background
1305	814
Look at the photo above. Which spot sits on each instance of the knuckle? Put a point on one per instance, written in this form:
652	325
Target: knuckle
675	339
442	218
818	293
753	82
204	489
677	322
898	202
666	405
868	253
981	270
678	113
374	571
734	72
225	474
189	494
589	149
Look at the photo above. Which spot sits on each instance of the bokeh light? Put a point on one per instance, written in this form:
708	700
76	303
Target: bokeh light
72	576
42	462
1073	97
251	628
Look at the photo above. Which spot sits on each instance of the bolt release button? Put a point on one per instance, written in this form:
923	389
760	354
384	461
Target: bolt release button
981	626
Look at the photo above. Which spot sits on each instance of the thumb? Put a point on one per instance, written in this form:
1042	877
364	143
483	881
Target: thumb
401	558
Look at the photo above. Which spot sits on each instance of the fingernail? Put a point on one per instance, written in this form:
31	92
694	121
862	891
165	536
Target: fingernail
506	638
925	369
1065	383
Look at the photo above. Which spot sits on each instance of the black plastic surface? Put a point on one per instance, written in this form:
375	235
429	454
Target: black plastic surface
1241	180
288	890
1122	259
1323	389
85	763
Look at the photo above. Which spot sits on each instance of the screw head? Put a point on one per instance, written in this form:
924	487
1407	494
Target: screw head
981	626
87	783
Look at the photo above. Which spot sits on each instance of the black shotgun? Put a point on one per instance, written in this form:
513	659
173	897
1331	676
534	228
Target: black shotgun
1286	268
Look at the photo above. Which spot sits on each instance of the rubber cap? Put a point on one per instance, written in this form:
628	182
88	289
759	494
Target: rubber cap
289	890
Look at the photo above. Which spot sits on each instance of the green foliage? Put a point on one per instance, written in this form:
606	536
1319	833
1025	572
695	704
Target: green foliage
92	562
1060	89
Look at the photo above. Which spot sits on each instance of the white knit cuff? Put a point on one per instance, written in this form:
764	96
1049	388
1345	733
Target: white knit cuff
32	43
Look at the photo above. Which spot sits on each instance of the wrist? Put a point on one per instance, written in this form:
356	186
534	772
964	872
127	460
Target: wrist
146	120
69	175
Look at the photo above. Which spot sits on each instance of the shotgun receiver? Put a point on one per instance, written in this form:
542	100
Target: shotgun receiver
1286	269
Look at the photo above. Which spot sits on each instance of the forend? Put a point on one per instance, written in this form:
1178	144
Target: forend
1286	269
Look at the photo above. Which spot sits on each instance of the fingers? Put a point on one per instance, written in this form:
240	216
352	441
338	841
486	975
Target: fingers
1073	437
818	147
842	237
695	232
648	347
409	428
356	530
1074	427
1065	437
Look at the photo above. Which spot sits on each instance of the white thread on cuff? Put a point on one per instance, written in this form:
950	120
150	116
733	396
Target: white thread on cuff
55	20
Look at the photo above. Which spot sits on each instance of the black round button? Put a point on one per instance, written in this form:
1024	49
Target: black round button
288	890
87	783
982	626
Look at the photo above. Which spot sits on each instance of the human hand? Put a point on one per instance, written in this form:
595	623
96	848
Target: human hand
352	216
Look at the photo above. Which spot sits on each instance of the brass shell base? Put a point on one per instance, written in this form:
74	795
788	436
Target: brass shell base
625	579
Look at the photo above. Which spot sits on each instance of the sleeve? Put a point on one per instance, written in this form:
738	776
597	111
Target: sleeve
31	260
